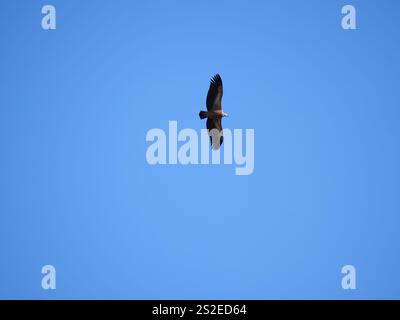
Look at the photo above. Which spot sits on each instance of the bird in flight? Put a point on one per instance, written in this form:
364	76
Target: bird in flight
214	113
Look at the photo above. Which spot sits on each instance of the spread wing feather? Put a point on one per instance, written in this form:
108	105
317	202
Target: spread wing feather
215	93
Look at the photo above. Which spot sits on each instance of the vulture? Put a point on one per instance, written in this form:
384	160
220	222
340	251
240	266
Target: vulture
214	113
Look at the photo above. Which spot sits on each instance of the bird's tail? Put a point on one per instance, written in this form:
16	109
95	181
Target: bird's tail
203	114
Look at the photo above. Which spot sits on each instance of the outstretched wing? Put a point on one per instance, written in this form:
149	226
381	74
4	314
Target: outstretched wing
214	127
214	96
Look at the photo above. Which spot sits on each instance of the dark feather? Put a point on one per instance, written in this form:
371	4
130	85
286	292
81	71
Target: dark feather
215	93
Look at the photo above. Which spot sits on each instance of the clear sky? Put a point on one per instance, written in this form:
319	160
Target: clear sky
76	191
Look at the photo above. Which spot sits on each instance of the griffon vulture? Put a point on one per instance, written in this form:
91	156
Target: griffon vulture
214	113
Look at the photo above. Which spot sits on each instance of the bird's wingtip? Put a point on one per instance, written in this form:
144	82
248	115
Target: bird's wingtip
216	79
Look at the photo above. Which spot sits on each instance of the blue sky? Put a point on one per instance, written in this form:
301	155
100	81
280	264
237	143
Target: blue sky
76	191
